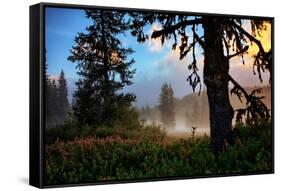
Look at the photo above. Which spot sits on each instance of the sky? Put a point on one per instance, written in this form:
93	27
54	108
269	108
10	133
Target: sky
155	63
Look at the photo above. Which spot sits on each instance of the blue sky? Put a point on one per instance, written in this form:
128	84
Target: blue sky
155	64
61	28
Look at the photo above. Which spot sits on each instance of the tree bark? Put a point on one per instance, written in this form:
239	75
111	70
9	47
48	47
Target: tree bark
216	68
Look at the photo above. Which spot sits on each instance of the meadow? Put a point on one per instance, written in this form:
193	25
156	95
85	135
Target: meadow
106	154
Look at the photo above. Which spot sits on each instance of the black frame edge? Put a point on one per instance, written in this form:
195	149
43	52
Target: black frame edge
35	132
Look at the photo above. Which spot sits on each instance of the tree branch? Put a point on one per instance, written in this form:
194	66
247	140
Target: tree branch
250	37
172	28
236	85
255	109
199	40
226	46
262	59
237	53
184	51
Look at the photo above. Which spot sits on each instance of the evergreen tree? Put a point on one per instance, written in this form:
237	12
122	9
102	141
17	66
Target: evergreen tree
48	101
171	106
163	104
49	106
103	69
52	104
167	106
56	105
62	97
54	100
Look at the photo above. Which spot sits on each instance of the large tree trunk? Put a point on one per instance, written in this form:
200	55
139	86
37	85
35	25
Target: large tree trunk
216	68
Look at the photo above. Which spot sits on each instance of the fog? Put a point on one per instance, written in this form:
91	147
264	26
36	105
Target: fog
183	130
193	111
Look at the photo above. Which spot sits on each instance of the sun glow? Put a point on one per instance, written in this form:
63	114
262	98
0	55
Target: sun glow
264	38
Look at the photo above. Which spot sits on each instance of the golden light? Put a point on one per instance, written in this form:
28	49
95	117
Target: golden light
115	58
264	38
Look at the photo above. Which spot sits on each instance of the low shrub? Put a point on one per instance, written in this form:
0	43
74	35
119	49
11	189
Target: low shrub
120	157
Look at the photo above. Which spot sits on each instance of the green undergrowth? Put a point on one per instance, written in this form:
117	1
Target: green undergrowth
113	154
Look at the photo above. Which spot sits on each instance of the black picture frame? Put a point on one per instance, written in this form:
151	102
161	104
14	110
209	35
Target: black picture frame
37	94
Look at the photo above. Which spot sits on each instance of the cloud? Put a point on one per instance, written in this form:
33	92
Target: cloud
154	44
171	64
170	70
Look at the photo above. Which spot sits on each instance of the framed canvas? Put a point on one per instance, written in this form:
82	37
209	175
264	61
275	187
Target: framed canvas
126	95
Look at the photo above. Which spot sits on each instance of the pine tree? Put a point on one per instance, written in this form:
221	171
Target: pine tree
167	106
163	103
56	102
49	106
48	103
56	105
171	106
62	97
52	104
103	69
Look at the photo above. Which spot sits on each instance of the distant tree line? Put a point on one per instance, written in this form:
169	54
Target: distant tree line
57	105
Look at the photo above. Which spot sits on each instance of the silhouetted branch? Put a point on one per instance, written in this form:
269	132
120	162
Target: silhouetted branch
262	59
200	41
226	46
249	36
237	53
194	78
172	28
238	87
255	109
